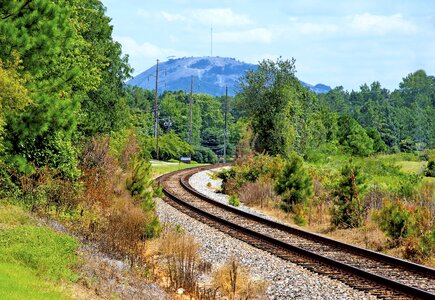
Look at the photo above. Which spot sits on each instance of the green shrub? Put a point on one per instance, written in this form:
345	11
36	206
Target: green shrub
234	200
204	155
294	183
348	210
395	220
430	168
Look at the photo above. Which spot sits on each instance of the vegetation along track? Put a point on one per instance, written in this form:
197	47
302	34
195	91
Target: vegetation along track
380	275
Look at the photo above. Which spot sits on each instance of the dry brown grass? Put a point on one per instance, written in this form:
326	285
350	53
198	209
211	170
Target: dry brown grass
180	261
234	281
259	193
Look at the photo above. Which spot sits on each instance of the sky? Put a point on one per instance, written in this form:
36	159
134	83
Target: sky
336	42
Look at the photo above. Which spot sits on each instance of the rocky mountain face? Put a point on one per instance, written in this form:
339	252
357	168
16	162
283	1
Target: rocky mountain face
210	76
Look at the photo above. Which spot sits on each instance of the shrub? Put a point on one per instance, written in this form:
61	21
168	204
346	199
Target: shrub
258	193
124	229
234	200
430	168
204	155
294	183
181	261
234	281
395	220
349	210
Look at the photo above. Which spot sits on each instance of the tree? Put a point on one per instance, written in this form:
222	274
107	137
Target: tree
13	95
294	183
353	137
348	210
378	143
39	32
265	97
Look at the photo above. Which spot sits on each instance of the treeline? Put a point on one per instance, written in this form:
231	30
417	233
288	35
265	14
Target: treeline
286	117
403	118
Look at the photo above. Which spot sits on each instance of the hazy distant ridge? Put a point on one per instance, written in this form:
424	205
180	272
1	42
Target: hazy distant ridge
210	75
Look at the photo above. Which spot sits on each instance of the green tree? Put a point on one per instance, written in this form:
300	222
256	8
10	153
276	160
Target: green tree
348	210
353	137
378	144
13	95
265	97
294	183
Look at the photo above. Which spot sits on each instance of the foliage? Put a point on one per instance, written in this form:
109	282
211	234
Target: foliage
204	155
294	184
234	200
265	98
348	210
181	261
353	137
430	168
171	146
403	117
395	220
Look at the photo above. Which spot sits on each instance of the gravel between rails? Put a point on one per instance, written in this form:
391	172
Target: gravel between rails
287	280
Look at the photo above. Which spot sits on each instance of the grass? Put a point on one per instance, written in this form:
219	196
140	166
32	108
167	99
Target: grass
20	282
164	167
33	259
415	167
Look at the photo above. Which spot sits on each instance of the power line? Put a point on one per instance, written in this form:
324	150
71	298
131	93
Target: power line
156	111
225	126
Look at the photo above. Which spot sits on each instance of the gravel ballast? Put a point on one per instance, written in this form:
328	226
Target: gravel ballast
286	280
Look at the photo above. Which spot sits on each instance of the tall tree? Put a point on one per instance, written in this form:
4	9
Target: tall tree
266	95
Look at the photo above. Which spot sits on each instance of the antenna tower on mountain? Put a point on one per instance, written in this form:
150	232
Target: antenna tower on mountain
211	40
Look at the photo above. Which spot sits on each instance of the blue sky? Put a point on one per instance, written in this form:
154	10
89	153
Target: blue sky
343	42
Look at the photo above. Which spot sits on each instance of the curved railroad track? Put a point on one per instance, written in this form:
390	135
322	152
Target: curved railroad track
380	275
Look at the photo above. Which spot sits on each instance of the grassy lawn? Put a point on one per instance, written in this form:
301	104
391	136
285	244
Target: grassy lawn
34	260
160	168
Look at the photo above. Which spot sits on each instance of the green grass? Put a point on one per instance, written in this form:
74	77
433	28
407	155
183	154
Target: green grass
33	259
163	168
415	167
390	172
20	282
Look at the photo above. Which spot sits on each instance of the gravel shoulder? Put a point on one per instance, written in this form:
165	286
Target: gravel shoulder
286	280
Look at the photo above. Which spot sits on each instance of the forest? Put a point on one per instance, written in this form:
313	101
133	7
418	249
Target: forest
76	141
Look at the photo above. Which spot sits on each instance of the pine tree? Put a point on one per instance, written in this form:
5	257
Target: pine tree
294	184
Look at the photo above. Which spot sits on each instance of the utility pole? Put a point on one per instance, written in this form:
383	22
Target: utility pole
156	112
190	115
225	126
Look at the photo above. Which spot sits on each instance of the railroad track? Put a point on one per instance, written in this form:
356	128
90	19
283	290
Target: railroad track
377	274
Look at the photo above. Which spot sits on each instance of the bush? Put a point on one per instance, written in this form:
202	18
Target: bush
294	184
204	155
258	193
395	220
349	210
181	261
430	168
234	200
234	281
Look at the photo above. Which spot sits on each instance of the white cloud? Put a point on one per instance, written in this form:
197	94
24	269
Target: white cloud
142	56
380	25
256	35
174	17
220	16
224	17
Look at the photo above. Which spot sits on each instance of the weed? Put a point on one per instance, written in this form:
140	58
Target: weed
234	281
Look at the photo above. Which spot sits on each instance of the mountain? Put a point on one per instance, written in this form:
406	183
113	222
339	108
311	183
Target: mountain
210	75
